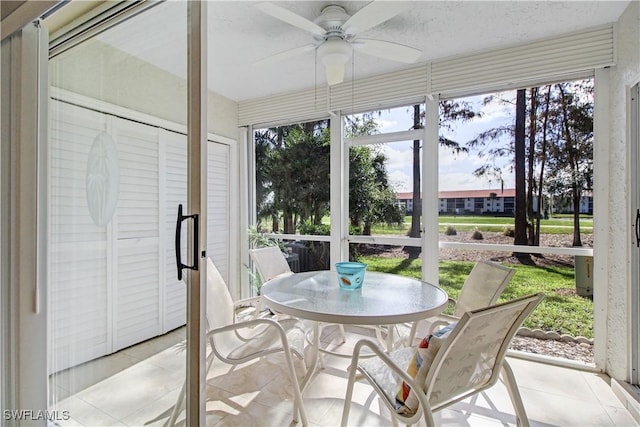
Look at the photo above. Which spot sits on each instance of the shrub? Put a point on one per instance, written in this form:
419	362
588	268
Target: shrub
308	227
509	231
477	235
258	239
450	231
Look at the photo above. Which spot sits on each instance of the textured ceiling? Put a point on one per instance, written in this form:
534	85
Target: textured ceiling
240	34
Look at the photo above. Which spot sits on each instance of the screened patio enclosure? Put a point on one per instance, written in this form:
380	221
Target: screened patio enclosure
599	42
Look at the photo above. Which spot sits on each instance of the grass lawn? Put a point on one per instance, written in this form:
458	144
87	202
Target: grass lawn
553	225
561	310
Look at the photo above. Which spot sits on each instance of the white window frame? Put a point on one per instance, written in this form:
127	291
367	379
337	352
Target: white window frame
429	174
24	299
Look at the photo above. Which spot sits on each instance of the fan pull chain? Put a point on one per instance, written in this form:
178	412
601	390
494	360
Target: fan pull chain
315	79
353	77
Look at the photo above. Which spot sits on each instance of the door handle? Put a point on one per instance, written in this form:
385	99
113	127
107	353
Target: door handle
179	263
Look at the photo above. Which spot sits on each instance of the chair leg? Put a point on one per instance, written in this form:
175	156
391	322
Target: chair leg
298	404
347	398
516	400
428	417
342	334
412	333
178	406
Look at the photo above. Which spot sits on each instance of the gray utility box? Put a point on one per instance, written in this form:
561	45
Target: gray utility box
583	272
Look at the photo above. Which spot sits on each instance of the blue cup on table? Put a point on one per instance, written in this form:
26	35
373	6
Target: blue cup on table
350	274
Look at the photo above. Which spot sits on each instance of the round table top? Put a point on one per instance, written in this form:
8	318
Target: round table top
384	299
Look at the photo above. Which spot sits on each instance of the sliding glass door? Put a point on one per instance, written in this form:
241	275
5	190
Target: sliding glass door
121	160
634	118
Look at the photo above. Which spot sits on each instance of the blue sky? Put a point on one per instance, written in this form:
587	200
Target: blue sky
455	170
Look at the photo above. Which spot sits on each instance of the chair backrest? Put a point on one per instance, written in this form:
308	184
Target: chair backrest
220	308
270	262
470	359
483	286
220	311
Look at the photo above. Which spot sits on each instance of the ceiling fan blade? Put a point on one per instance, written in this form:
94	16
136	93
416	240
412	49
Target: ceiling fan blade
290	53
387	50
290	18
373	14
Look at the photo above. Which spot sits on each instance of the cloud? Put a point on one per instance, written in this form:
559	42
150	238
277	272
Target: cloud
399	154
455	169
451	181
388	125
401	181
497	110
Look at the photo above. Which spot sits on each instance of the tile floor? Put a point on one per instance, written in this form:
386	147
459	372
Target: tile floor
138	386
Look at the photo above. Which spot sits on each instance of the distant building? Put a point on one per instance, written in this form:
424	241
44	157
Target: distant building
479	202
565	204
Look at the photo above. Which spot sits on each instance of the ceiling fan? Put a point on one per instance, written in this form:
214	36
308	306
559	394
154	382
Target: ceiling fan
336	35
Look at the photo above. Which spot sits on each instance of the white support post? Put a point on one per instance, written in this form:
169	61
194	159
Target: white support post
602	183
339	199
247	160
430	251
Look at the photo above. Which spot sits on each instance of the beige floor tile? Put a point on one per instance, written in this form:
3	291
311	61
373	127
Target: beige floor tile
126	392
83	413
157	345
83	376
552	379
139	387
558	410
620	416
600	386
156	413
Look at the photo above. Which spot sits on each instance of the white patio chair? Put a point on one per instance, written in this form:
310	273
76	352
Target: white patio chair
482	288
236	343
271	263
467	361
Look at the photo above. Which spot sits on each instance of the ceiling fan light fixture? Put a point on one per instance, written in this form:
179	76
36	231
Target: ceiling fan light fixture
334	54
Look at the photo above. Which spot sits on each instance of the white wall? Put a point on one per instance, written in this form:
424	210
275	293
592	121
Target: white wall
100	71
622	77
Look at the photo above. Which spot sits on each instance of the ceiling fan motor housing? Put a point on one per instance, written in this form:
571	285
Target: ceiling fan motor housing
331	19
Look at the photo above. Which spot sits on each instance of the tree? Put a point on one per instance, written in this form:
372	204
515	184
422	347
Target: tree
451	111
414	231
557	152
520	220
371	198
575	153
543	160
266	143
292	173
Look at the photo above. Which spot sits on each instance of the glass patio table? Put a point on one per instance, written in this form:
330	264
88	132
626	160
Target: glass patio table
383	299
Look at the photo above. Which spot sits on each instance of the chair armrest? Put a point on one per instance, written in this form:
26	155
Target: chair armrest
442	320
247	301
255	303
384	357
250	325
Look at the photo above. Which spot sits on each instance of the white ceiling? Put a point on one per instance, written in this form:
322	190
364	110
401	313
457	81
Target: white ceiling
240	34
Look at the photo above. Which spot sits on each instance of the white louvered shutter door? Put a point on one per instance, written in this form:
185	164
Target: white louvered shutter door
137	299
175	190
78	268
218	206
